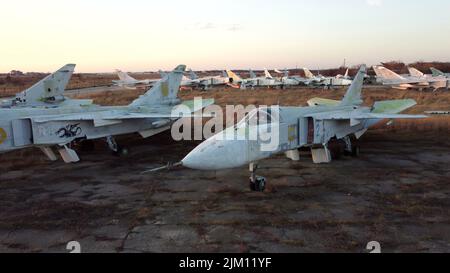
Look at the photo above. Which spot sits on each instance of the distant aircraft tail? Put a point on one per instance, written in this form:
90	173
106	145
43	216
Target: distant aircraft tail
48	90
124	76
353	95
164	91
267	74
162	73
192	75
308	74
252	74
436	72
346	74
386	74
415	72
233	77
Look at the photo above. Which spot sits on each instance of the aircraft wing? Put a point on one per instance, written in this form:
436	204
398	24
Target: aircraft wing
107	117
325	102
343	115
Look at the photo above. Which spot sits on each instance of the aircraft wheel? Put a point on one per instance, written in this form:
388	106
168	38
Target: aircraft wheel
355	151
259	185
121	151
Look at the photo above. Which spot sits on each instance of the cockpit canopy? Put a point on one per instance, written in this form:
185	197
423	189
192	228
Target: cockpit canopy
260	116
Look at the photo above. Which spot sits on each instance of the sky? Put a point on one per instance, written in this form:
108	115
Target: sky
141	35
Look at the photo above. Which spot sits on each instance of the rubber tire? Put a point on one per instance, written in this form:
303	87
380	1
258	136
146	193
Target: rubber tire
355	151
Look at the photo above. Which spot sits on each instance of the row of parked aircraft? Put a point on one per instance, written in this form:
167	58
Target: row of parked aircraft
229	78
43	117
414	80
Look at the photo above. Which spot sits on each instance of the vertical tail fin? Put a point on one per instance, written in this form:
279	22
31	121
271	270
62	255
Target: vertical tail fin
162	73
308	73
48	90
386	74
192	75
124	76
346	74
233	77
353	95
164	91
415	72
436	72
252	74
267	74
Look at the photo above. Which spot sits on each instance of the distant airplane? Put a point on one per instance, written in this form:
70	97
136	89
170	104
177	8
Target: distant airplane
126	81
416	79
206	82
71	121
286	80
320	80
323	123
254	81
436	73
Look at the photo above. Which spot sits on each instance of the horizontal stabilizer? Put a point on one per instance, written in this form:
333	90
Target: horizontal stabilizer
392	106
323	102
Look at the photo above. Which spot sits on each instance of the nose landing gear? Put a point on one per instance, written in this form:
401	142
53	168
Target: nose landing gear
115	148
257	183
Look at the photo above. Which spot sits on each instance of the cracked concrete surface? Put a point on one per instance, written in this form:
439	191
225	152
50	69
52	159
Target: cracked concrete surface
396	193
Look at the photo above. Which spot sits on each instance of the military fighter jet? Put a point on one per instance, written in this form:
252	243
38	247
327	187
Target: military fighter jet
318	126
57	121
47	93
254	81
320	80
416	79
128	82
436	72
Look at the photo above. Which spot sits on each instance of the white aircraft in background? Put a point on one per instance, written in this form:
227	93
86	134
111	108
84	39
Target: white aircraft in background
439	79
320	80
436	73
47	119
318	126
286	80
416	79
210	81
253	80
126	81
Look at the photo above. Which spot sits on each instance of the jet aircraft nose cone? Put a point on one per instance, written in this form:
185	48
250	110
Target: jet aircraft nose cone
216	155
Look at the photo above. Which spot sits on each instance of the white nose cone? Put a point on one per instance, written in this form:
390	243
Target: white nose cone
217	155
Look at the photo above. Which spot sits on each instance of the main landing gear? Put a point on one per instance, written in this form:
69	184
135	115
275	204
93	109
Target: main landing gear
257	183
115	148
351	147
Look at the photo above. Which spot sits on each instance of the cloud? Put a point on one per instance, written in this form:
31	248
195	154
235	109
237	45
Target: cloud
235	27
374	3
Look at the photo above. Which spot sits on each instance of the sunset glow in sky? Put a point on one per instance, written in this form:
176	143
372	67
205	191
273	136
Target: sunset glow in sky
139	35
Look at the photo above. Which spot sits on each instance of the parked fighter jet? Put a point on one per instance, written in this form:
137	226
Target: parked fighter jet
254	81
72	121
206	82
320	80
286	80
416	79
47	93
126	81
436	73
318	126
